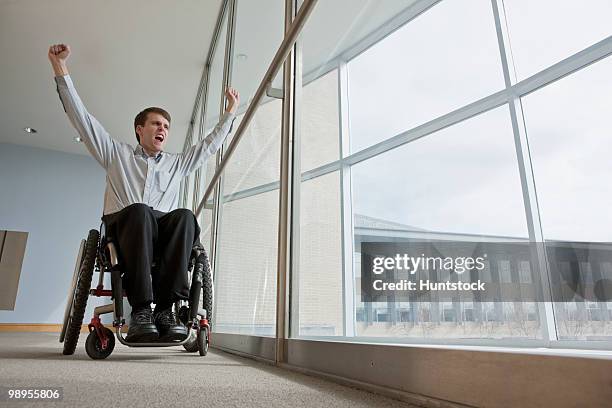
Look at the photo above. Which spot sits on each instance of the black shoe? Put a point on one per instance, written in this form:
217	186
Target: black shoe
142	329
170	329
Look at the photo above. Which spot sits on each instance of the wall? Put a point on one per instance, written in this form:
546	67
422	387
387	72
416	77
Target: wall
56	197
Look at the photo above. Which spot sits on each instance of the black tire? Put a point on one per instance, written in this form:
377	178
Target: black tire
81	293
192	345
72	290
203	341
93	345
207	287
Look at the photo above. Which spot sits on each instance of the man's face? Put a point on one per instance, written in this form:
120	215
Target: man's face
154	133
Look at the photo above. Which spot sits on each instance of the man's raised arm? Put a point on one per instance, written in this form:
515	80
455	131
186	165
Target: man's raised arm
196	156
96	138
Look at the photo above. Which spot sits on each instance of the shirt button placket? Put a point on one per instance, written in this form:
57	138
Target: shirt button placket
148	182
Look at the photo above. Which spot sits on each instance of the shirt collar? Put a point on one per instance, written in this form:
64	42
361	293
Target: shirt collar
140	151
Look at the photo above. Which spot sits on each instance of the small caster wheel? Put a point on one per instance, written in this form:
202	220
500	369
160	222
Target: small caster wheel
93	345
192	345
203	340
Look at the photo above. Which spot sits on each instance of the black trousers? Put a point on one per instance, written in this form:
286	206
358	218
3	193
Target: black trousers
142	234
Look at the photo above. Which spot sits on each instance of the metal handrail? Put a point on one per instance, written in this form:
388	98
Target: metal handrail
275	65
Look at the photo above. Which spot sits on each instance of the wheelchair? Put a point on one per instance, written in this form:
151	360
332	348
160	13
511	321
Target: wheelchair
101	255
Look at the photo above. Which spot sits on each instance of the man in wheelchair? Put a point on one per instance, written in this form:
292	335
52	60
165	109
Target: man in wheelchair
140	204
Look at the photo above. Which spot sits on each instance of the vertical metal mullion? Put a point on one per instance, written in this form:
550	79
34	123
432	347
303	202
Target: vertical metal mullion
284	199
296	182
218	201
346	206
530	199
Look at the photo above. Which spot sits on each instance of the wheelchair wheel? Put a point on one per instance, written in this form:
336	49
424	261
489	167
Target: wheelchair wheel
203	341
207	287
81	294
70	299
93	345
192	345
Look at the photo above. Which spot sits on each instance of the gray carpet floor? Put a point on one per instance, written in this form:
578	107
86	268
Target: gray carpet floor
163	377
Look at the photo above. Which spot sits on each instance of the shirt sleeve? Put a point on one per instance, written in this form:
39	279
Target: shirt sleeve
94	136
197	154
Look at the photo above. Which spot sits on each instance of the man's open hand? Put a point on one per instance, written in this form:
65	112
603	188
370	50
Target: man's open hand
58	54
233	100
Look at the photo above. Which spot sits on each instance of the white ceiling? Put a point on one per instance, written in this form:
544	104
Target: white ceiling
126	55
336	26
130	55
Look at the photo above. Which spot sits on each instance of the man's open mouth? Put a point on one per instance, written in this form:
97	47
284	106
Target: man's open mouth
159	138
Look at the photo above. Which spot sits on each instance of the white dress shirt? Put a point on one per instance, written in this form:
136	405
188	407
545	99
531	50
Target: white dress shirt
131	175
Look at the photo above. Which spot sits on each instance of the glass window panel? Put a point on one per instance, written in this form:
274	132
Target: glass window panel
431	66
245	268
256	160
252	54
569	139
333	33
205	219
319	277
205	223
333	28
544	32
463	179
320	122
215	80
245	276
568	129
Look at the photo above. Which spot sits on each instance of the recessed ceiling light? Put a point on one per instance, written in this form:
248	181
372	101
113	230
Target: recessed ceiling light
77	139
30	130
242	57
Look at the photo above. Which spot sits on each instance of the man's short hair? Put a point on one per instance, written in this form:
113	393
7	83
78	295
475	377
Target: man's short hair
141	118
